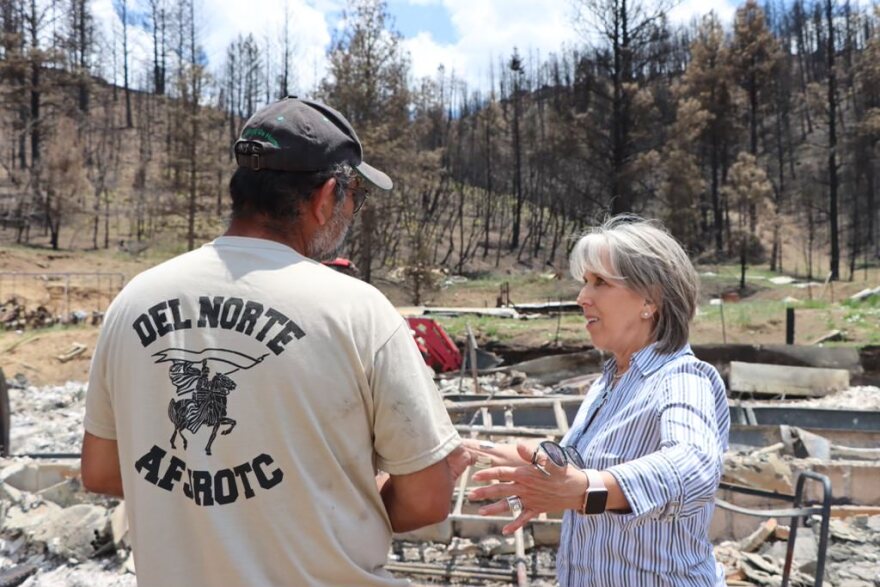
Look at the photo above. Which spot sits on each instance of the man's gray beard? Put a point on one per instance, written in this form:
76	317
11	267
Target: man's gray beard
328	240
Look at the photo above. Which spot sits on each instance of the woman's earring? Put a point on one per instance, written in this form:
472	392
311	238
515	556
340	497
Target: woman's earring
646	315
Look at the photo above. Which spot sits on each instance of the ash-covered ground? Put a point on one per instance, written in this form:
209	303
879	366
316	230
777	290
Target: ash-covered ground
54	534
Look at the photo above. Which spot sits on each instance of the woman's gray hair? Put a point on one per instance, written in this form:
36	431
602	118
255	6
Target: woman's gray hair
650	262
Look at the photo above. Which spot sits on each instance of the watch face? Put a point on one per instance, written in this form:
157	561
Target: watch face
596	501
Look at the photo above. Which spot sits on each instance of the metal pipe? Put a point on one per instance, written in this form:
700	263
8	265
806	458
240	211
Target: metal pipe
521	563
502	431
528	402
49	455
472	357
459	571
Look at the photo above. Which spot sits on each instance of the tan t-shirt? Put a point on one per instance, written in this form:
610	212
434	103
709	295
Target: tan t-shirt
253	394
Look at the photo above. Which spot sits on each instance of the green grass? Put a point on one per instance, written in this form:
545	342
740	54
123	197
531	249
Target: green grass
728	276
507	330
456	326
517	280
872	302
745	313
758	310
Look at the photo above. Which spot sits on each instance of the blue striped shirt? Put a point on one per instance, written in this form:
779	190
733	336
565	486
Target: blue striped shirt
661	432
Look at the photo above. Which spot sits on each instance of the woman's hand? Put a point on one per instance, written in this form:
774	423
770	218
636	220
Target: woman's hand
563	489
491	454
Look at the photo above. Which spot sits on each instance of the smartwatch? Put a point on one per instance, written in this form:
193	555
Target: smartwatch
596	495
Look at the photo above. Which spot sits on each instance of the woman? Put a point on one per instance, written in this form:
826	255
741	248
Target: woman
650	445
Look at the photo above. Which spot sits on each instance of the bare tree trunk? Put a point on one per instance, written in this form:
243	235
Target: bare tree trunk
516	68
799	18
157	8
489	203
716	196
195	91
832	147
106	220
124	16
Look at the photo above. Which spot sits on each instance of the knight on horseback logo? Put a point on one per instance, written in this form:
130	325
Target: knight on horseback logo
203	393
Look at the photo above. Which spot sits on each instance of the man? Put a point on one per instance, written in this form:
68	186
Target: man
242	396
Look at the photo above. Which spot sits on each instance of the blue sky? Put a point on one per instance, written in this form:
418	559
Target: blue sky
411	19
466	36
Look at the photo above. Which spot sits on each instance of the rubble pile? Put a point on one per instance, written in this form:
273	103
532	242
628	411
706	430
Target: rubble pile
853	554
852	559
45	419
15	316
55	533
865	397
468	562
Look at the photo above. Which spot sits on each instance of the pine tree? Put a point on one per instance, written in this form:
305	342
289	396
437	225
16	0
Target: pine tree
709	80
681	183
627	31
747	189
367	83
756	57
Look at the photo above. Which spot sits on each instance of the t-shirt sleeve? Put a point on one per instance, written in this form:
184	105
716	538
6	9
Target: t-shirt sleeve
99	419
411	426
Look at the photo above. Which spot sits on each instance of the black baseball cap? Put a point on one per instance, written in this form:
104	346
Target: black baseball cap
301	135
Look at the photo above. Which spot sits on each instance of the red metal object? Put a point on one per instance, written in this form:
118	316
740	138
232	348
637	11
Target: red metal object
342	265
338	262
439	351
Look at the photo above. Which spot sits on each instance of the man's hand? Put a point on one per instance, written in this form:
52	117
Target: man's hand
493	454
424	497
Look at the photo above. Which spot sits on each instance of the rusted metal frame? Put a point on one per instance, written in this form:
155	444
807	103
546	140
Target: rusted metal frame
472	357
795	513
454	571
528	402
825	514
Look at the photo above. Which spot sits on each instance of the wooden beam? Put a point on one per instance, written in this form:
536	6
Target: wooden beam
779	380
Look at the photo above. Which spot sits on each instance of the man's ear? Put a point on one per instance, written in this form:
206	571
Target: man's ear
323	201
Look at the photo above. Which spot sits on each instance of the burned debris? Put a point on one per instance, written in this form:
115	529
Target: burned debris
54	533
14	315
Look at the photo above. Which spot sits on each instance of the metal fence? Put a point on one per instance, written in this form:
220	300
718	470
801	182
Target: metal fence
66	296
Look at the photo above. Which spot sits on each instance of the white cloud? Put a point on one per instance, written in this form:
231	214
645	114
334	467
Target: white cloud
226	19
109	33
488	30
219	22
687	10
427	55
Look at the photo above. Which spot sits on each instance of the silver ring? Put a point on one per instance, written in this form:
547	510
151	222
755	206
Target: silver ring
515	504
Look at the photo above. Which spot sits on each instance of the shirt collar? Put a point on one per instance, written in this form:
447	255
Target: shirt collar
648	359
250	242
